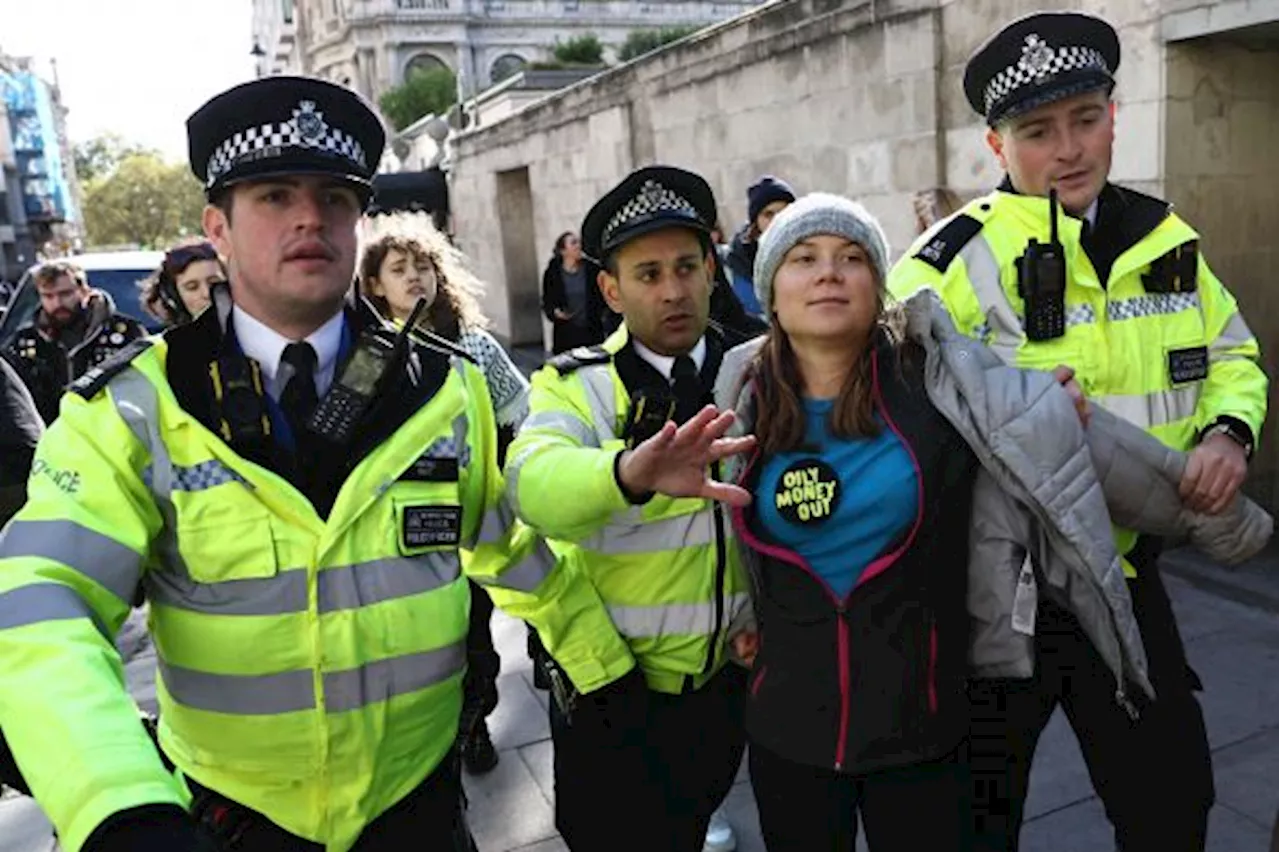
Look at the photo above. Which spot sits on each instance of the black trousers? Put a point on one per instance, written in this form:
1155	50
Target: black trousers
919	808
649	786
480	684
433	814
1153	775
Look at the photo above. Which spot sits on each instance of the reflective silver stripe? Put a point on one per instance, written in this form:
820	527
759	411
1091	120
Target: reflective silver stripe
242	695
136	402
1153	409
495	524
689	619
341	588
101	558
691	530
512	474
984	275
460	440
42	602
384	679
597	379
1234	334
368	583
1152	305
527	574
284	593
564	423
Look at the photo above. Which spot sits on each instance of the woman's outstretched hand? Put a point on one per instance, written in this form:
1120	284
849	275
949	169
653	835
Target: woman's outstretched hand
676	461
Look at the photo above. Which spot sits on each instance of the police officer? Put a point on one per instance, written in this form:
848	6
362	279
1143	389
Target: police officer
1059	265
75	328
297	490
642	762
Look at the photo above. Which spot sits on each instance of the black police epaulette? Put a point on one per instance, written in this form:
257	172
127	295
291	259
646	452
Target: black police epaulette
943	247
583	356
96	378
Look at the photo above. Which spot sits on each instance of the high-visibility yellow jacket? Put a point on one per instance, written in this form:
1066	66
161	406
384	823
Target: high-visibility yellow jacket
666	570
309	668
1170	362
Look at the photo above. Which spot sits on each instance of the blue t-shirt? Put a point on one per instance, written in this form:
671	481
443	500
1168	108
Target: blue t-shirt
839	503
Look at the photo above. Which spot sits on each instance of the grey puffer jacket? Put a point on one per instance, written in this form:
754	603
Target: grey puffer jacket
1049	490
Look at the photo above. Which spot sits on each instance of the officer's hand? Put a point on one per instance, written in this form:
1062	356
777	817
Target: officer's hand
562	315
675	461
1215	471
1066	377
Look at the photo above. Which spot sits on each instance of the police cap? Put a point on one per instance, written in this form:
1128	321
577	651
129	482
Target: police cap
647	200
1040	59
284	126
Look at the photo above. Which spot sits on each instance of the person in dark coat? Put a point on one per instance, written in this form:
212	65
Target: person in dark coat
571	298
20	430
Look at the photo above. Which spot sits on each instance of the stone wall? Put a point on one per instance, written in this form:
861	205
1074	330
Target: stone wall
840	96
1220	172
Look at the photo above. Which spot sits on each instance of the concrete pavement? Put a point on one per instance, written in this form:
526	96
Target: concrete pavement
1229	624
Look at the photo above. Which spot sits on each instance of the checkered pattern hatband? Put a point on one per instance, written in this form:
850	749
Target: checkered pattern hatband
1040	62
652	199
307	130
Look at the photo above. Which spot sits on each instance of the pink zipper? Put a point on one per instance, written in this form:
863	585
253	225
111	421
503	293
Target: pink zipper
876	568
759	679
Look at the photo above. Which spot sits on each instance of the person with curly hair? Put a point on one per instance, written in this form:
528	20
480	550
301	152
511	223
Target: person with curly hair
178	290
405	259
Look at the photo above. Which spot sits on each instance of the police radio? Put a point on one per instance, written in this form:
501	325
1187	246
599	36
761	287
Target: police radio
648	413
1042	282
353	391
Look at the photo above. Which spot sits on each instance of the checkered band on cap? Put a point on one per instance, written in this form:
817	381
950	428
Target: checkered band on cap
306	130
652	199
1040	62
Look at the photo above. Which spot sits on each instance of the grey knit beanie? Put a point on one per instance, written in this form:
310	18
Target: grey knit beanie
814	214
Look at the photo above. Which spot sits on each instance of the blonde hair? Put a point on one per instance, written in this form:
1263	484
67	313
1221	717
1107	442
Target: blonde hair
457	303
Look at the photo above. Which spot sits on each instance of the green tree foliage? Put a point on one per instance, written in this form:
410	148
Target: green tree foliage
640	42
580	50
143	201
97	158
429	91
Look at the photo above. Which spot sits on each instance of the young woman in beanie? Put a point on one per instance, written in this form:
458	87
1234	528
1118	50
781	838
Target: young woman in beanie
858	525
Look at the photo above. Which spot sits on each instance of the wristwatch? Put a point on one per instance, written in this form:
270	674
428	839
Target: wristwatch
1234	430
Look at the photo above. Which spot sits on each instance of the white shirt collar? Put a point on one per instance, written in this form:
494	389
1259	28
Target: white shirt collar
1091	215
265	345
664	363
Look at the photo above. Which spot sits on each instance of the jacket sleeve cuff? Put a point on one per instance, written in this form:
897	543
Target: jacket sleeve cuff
1237	429
633	499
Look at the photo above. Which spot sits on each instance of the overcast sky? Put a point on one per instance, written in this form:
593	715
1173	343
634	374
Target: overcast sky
136	67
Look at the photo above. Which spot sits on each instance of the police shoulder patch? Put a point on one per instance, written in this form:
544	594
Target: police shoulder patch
942	248
96	378
568	362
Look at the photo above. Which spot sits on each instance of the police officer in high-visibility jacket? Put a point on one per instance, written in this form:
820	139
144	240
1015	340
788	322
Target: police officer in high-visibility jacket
1060	266
296	489
642	763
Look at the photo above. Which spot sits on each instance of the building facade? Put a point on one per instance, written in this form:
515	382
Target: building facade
39	208
372	45
864	98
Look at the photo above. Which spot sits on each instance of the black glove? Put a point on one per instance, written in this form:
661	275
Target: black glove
150	828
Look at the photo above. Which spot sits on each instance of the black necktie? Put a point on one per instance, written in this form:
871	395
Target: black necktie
687	387
298	399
